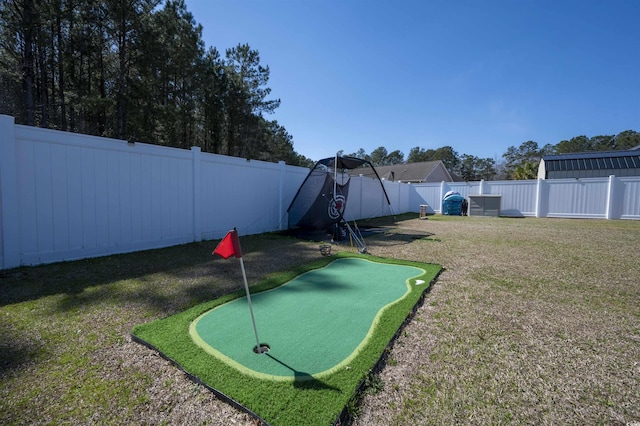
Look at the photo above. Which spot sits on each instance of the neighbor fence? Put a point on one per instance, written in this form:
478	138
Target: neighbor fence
597	198
66	196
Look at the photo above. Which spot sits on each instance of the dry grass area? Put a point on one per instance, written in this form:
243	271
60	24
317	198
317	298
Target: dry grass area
534	321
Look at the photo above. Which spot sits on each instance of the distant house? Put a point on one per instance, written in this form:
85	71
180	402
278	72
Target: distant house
426	171
590	164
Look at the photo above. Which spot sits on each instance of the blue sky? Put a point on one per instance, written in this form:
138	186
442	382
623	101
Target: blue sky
478	75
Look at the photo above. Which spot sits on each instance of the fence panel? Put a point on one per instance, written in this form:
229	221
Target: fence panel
245	194
355	204
374	203
629	195
429	194
577	197
462	188
400	196
82	195
518	197
366	200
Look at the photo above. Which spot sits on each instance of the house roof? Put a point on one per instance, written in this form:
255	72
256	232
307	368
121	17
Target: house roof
596	160
409	172
456	178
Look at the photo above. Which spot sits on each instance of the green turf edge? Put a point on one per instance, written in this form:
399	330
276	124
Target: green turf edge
317	401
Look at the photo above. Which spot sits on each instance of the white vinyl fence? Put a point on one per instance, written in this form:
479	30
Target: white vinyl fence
598	198
66	196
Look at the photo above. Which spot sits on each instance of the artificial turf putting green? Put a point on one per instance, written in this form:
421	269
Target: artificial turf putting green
327	325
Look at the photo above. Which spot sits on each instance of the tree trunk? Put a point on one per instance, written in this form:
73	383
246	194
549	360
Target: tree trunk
122	76
61	88
27	62
43	95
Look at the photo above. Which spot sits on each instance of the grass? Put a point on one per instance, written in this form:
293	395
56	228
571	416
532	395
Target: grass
538	322
533	321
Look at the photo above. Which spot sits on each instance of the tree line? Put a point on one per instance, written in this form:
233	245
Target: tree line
139	70
136	70
516	163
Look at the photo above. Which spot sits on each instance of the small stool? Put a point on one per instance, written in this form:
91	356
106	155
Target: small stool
423	211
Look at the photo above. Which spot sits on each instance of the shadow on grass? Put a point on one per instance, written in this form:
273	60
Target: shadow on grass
184	274
393	238
304	380
15	349
29	283
387	235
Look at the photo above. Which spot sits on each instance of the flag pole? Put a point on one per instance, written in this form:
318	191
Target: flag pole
230	246
253	320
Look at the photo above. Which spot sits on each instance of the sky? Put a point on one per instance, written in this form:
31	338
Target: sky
477	75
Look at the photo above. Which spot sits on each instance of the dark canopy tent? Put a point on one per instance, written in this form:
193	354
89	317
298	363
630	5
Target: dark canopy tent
320	201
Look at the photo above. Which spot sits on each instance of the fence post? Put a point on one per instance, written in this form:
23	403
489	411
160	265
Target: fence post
9	194
360	214
541	198
538	188
612	202
400	205
282	165
197	193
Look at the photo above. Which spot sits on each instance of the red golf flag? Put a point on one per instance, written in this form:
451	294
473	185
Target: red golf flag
229	246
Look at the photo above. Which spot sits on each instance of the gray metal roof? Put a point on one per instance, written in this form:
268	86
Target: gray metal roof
597	160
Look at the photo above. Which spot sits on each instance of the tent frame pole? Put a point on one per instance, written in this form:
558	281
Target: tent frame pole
335	177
